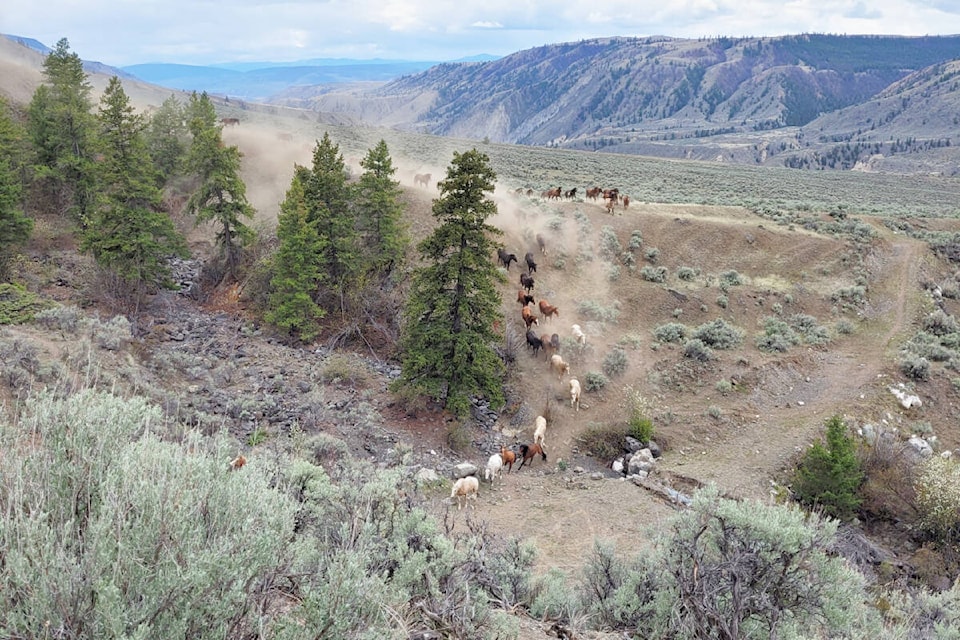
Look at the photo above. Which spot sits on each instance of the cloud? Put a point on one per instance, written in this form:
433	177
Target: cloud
205	32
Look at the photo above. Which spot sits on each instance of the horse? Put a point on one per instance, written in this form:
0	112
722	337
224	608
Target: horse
557	364
571	194
494	468
626	201
529	451
526	281
506	258
465	489
610	204
508	457
542	243
548	347
422	180
531	265
555	342
540	430
578	334
524	298
547	310
229	122
594	193
551	194
528	317
574	393
534	341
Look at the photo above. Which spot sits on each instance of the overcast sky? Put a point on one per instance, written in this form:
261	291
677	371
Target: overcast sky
125	32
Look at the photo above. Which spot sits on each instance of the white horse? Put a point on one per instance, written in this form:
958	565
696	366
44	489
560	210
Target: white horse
494	468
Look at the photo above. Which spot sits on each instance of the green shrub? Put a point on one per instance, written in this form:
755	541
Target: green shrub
687	274
17	305
695	349
913	366
640	427
731	278
940	323
610	247
652	254
636	240
654	274
615	362
594	381
595	311
631	340
105	525
718	334
723	301
602	442
937	487
670	332
829	475
777	336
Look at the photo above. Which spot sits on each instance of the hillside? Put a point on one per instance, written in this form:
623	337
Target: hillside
750	100
848	256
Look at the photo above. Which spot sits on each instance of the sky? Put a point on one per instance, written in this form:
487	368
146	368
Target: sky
201	32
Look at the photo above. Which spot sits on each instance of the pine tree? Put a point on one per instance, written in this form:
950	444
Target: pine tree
379	212
129	234
454	303
61	124
15	227
829	476
328	207
221	196
296	275
167	137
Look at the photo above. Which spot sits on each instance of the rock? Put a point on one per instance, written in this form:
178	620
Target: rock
427	476
464	469
921	446
655	449
596	475
617	465
632	444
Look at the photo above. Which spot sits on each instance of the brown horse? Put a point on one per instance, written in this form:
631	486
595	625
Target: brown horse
509	457
529	452
229	122
422	180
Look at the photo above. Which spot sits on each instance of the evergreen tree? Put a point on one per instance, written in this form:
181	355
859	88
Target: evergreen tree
167	138
60	125
454	303
296	275
15	227
221	196
829	477
379	212
328	207
129	234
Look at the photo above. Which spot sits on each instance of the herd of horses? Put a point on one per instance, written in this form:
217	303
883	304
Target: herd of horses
611	197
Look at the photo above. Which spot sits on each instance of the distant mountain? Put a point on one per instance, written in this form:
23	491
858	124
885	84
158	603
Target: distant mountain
794	100
88	66
257	81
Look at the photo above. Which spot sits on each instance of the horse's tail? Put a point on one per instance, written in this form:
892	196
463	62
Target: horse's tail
543	453
523	450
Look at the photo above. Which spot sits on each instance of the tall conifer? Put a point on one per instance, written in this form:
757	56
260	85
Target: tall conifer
448	333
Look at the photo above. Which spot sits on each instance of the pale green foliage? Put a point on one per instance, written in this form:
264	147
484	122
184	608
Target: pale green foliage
718	334
110	532
937	486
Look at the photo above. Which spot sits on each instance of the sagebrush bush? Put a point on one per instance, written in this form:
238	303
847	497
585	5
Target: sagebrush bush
718	334
940	323
654	274
610	247
594	381
695	349
596	311
615	362
937	487
731	278
687	274
913	366
670	332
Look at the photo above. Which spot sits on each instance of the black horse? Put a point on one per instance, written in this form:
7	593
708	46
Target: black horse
506	258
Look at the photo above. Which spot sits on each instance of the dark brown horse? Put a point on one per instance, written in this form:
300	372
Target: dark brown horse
529	452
